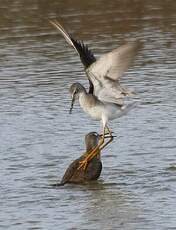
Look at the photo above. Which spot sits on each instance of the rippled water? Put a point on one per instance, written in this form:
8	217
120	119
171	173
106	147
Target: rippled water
38	138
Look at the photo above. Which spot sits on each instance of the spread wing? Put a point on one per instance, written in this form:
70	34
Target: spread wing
86	56
107	70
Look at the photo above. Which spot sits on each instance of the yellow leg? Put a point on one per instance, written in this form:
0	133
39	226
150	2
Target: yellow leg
83	163
108	142
96	150
92	155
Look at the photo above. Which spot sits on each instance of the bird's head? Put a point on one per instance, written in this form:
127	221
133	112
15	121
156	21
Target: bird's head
75	90
92	140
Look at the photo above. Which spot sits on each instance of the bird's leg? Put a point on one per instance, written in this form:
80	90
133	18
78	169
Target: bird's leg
91	154
94	152
83	164
109	141
102	146
107	131
87	153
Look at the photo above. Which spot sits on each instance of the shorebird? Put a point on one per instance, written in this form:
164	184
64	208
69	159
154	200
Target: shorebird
104	100
76	174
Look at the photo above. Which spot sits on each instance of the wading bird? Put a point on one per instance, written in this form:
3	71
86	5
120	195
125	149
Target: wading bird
104	100
92	171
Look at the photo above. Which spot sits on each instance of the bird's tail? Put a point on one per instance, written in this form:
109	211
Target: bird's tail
126	108
58	184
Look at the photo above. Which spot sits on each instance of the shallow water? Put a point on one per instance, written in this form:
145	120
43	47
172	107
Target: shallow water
38	138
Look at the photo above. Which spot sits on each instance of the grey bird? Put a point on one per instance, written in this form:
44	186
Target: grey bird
104	100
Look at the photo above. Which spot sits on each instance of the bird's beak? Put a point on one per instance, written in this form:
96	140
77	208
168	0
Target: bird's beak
72	103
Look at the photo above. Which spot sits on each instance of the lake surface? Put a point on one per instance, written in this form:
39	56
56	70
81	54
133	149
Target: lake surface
39	139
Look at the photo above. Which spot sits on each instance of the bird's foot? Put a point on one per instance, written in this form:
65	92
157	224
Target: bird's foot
83	164
107	133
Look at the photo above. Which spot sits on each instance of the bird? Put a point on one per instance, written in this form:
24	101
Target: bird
74	174
104	100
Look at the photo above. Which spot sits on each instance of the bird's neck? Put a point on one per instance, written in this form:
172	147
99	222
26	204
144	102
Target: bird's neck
83	99
87	101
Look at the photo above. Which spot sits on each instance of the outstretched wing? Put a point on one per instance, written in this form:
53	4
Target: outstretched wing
107	70
116	62
86	56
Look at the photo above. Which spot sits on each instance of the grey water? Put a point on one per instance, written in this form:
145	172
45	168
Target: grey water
39	139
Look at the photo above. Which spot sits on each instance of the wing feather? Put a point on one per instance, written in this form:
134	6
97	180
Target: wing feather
83	51
105	73
85	54
115	63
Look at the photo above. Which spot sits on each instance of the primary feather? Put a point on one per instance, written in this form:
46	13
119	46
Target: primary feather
85	54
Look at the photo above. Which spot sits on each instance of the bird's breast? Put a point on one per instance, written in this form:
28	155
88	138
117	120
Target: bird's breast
95	112
91	106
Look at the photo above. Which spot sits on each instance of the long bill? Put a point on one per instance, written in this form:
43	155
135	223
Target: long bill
72	104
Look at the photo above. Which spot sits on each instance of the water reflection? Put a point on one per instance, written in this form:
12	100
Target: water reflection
112	206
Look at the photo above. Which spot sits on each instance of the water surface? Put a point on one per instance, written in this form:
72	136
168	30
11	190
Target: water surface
38	138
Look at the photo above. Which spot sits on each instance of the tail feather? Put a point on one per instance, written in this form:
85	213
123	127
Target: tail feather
58	184
126	108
